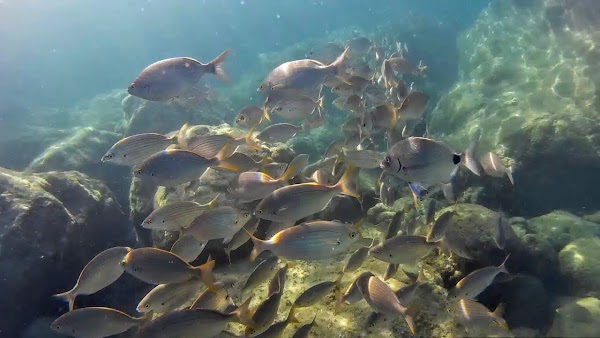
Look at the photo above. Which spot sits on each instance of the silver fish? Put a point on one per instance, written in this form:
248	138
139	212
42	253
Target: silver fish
176	215
326	53
413	106
353	293
290	203
168	297
298	108
315	293
192	323
156	266
279	132
383	300
501	234
426	161
100	272
439	228
173	167
169	78
368	159
221	222
300	76
261	273
188	248
493	166
402	249
356	259
390	271
275	170
474	283
326	163
218	301
94	322
265	314
250	116
240	238
135	149
277	282
210	146
395	225
304	330
276	330
470	313
316	240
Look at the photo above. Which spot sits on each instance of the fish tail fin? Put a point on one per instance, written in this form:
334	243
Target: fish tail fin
502	266
226	152
509	173
469	156
206	275
67	297
346	184
497	314
216	66
338	64
265	110
410	320
290	172
249	140
259	245
180	136
291	318
243	313
264	162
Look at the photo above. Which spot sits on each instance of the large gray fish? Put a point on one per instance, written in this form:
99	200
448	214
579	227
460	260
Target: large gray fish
290	203
193	323
94	322
176	215
300	76
493	166
156	266
383	300
188	248
170	78
402	249
356	259
100	272
135	149
470	313
474	283
222	222
173	167
261	273
168	297
427	162
308	241
250	116
413	106
279	132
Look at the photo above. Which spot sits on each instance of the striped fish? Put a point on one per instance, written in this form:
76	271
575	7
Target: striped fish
135	149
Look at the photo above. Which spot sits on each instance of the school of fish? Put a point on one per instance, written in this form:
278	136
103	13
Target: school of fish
367	81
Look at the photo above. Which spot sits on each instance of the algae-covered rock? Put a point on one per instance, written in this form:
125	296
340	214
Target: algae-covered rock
520	311
577	318
51	225
529	83
82	152
561	227
101	112
580	266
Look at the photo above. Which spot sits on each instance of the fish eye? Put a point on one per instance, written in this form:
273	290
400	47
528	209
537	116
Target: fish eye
279	108
246	215
242	118
282	167
260	211
131	86
149	222
352	234
151	174
124	155
261	87
388	159
274	213
147	306
390	255
229	189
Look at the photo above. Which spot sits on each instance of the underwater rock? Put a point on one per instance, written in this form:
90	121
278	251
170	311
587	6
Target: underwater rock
141	201
30	141
537	257
82	152
561	227
530	85
51	225
580	266
577	317
520	311
102	112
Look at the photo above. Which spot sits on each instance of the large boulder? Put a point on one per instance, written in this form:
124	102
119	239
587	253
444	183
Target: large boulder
530	82
580	266
82	151
577	318
51	225
561	227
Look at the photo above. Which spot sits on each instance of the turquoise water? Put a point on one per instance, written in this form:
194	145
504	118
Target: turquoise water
521	74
